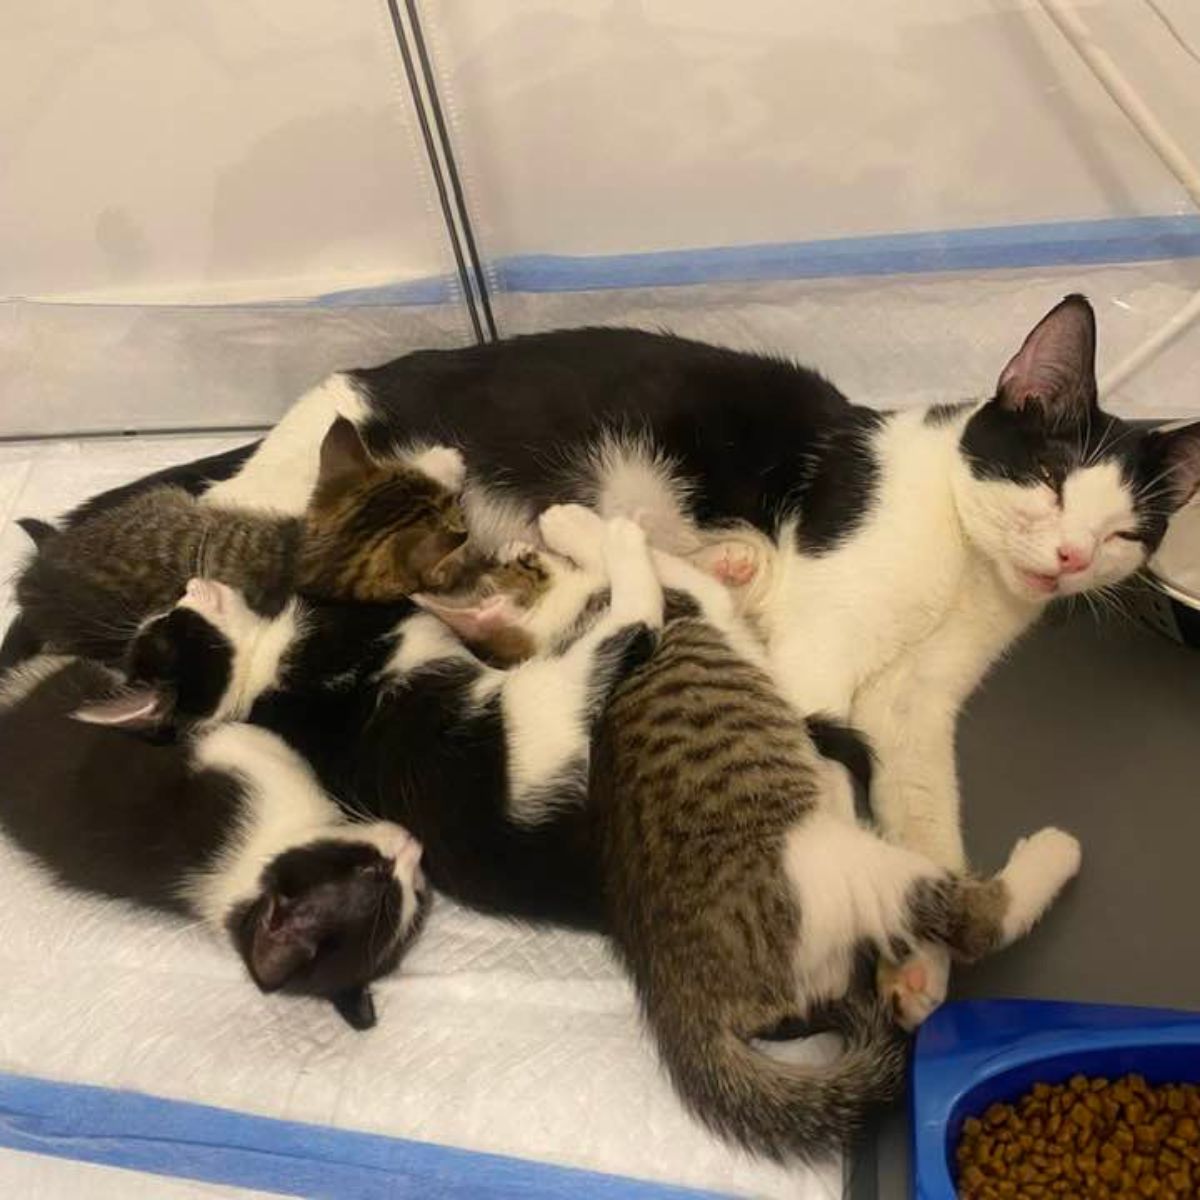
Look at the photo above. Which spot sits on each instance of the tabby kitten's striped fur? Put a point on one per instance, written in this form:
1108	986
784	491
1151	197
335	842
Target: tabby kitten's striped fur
741	891
372	532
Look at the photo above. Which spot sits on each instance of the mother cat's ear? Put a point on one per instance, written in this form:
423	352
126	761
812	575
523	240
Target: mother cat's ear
1055	368
343	454
1174	455
134	708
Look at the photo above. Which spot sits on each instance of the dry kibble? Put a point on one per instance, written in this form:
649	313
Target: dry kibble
1086	1139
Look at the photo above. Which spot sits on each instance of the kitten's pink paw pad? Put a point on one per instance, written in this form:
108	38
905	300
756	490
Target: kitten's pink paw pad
915	988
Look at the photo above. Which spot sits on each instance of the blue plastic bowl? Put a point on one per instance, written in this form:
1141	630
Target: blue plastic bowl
971	1054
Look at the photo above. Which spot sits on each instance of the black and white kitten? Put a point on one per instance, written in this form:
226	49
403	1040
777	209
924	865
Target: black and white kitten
225	824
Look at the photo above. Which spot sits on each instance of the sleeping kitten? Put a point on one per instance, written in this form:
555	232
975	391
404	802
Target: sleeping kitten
227	825
371	532
738	892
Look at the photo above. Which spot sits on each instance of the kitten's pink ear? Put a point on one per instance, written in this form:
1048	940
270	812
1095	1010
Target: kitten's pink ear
1180	450
474	622
1055	369
343	452
282	943
132	708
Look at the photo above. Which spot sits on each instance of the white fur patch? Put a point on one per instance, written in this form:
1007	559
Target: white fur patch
849	885
424	639
280	475
630	477
545	701
443	464
259	643
1039	868
283	807
495	519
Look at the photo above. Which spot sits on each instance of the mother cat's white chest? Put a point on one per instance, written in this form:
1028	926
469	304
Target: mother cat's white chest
836	618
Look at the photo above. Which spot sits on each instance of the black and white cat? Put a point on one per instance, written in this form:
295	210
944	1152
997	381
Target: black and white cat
910	548
225	824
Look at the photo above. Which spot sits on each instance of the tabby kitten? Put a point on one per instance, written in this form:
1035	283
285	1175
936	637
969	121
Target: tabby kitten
740	891
371	532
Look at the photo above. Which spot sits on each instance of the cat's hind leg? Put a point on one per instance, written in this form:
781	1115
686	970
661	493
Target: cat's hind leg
969	918
913	981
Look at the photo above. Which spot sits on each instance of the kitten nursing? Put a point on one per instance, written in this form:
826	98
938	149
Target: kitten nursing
371	532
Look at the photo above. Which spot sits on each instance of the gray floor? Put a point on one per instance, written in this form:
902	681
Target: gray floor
1094	727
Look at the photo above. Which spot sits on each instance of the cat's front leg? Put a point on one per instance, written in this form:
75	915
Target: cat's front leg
910	719
909	711
576	533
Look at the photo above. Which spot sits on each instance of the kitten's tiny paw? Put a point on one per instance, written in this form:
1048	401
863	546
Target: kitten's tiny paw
915	988
1052	853
573	531
444	464
622	534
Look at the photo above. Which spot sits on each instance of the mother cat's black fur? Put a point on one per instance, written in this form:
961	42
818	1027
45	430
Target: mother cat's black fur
756	434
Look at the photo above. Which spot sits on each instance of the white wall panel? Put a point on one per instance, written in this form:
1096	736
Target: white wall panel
207	150
608	126
616	146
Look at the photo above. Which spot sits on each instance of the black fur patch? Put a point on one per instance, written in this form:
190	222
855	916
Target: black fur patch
187	653
944	414
839	494
106	812
846	745
20	643
423	753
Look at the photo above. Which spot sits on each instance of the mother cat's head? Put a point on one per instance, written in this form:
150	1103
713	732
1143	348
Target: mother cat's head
1061	496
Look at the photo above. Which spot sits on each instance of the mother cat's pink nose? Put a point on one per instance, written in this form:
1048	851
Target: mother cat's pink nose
1073	559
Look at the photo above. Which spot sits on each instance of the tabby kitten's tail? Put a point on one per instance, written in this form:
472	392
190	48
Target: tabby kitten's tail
776	1108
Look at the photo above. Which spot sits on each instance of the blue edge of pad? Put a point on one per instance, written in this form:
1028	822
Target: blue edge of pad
1054	243
195	1141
